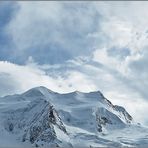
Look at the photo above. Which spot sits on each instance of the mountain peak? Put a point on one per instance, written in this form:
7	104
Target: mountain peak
45	117
44	90
37	91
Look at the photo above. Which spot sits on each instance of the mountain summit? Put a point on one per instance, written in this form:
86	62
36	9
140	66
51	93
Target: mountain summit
43	118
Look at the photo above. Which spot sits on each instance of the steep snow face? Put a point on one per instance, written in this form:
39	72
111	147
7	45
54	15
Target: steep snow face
45	118
34	122
90	111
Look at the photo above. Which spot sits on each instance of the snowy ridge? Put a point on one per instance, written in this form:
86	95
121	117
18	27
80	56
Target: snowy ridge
43	118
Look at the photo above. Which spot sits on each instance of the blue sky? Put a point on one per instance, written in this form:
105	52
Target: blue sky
85	46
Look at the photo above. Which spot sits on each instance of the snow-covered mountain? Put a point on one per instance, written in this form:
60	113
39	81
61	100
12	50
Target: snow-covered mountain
43	118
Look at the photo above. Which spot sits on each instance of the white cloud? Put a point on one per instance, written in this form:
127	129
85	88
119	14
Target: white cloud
22	78
119	32
56	28
101	56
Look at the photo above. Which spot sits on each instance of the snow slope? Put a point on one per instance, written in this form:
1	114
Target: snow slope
43	118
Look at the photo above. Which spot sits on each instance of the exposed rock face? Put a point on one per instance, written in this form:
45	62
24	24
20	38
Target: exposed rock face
124	114
36	121
116	117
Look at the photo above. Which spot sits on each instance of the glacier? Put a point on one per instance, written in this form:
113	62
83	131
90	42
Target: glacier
42	118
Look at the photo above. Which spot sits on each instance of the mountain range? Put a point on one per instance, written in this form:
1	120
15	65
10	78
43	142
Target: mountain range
42	118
